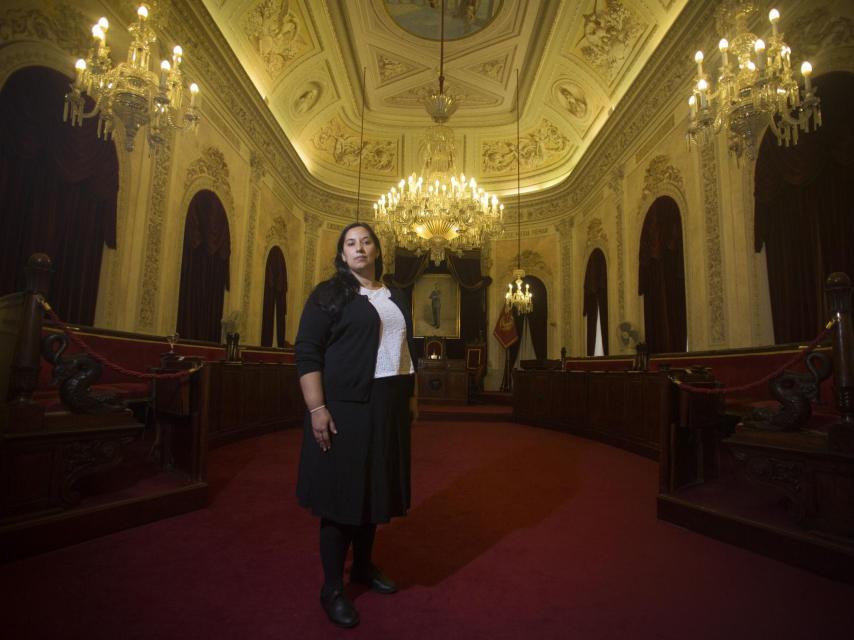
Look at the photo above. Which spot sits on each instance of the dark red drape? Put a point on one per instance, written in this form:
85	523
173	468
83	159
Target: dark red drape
275	289
661	274
804	197
204	268
58	192
596	298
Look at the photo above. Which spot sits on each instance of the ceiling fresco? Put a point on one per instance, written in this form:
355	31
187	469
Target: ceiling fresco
576	59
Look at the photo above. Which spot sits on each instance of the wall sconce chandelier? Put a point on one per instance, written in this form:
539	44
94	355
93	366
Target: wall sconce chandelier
130	94
754	90
439	209
520	301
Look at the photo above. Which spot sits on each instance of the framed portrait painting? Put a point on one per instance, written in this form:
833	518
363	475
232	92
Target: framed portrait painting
436	306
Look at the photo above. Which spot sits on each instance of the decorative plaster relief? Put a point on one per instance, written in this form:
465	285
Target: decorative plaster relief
307	98
660	170
492	69
545	145
154	236
610	32
816	30
277	32
257	172
59	24
340	145
213	166
571	96
464	93
533	261
714	277
615	183
313	223
389	69
596	236
564	229
278	232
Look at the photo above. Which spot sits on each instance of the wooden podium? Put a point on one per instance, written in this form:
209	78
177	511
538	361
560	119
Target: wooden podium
442	381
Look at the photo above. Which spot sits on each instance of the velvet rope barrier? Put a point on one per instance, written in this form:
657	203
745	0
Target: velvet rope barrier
792	361
102	359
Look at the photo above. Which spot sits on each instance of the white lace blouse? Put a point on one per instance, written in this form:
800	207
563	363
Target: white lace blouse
393	354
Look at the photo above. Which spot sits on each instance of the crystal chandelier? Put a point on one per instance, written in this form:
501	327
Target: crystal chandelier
755	89
130	94
439	209
517	299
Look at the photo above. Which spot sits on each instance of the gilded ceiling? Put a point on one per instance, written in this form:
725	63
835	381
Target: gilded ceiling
576	59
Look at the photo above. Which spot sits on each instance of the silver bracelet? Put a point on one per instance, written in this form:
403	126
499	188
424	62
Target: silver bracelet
323	406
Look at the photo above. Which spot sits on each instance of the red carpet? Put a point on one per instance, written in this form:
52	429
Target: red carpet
515	532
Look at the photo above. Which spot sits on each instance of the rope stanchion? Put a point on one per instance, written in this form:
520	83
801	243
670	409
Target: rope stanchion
792	361
103	359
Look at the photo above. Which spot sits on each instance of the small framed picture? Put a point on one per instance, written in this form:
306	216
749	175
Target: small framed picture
436	306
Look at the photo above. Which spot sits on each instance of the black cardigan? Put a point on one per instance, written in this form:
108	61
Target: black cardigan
345	348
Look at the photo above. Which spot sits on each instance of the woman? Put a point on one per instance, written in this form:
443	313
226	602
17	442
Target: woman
354	355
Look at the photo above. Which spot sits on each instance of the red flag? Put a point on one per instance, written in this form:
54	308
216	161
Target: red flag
505	329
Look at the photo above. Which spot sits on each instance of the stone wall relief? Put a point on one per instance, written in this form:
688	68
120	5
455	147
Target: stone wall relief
616	185
817	30
565	237
572	98
611	30
53	23
278	33
494	70
714	268
212	166
596	235
465	93
307	97
545	145
390	67
339	144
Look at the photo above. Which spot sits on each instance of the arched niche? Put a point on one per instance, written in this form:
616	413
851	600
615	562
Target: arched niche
596	300
205	264
274	305
661	278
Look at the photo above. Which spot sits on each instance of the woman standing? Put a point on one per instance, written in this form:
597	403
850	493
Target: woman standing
354	355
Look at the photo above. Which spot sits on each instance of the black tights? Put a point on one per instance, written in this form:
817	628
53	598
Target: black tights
335	539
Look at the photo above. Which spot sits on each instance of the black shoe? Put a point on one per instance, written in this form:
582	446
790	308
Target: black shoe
375	579
338	608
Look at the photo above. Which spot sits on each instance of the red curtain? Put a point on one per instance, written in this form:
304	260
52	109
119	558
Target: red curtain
596	298
58	192
204	268
275	289
661	275
803	216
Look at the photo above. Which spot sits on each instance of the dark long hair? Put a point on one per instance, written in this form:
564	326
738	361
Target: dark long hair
333	294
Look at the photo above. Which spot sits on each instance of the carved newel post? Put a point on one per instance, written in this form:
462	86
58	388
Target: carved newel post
840	436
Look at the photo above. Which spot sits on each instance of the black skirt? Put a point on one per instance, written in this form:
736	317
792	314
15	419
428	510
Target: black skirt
364	477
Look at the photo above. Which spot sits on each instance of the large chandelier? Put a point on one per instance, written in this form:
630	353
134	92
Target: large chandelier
130	94
521	301
440	209
753	90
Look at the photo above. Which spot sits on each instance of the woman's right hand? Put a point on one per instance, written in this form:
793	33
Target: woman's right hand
323	428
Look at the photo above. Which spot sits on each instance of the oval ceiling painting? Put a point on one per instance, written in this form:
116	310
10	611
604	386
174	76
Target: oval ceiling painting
463	18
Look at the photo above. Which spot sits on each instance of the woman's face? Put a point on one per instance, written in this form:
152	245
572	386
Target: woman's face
359	252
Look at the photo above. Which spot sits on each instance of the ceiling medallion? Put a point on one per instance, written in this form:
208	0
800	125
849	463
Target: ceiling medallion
424	18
